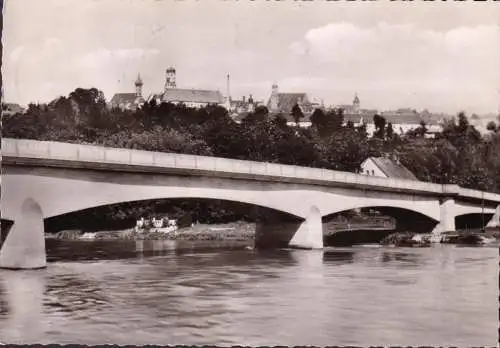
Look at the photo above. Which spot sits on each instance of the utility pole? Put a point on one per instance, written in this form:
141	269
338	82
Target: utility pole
482	211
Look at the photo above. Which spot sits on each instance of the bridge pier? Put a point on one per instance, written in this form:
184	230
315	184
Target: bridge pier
24	246
495	219
447	217
276	230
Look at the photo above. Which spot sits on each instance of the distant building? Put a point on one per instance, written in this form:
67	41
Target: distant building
190	97
284	102
386	167
129	101
358	116
12	109
239	109
402	120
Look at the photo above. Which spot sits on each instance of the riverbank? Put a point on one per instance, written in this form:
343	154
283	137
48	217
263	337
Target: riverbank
411	239
234	231
242	231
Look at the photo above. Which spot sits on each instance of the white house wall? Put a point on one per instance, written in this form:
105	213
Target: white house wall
368	166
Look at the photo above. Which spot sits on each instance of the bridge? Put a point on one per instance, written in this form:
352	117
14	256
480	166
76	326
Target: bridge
45	179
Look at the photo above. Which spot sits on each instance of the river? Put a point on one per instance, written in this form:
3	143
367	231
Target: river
362	295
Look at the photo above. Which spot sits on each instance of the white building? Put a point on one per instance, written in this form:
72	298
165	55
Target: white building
385	167
190	97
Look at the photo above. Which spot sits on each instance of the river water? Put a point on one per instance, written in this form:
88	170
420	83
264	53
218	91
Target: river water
443	295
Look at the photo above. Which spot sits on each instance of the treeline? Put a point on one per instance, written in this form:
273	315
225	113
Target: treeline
458	155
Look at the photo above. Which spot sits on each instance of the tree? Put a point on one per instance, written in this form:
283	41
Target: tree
389	131
297	114
319	121
260	114
379	122
491	126
280	121
337	119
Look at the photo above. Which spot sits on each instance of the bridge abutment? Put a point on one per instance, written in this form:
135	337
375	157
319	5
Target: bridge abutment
24	246
275	230
447	217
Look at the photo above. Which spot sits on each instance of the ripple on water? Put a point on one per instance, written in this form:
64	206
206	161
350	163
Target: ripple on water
344	296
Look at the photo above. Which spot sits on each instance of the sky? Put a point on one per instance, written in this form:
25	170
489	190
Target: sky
443	56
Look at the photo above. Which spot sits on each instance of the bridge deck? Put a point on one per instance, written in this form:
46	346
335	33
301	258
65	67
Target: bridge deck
33	152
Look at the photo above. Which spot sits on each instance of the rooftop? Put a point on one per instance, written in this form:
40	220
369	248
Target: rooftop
393	169
286	101
192	96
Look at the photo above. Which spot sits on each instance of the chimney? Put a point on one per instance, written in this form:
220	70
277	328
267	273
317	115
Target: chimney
243	99
228	89
395	158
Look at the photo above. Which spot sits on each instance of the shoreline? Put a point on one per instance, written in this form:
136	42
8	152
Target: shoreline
241	231
233	231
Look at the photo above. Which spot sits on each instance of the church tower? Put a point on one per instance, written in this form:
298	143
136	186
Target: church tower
356	103
138	86
251	105
274	99
170	78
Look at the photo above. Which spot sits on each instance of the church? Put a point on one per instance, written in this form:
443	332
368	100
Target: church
129	101
282	103
190	97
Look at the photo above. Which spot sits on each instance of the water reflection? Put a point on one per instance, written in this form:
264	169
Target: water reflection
401	257
23	305
346	296
338	257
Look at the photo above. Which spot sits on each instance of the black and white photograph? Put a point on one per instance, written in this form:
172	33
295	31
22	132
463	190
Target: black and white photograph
250	173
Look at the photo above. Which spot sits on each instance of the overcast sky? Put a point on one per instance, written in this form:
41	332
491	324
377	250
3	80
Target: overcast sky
444	56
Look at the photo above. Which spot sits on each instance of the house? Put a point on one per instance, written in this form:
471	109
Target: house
11	109
129	101
386	167
194	98
284	102
402	120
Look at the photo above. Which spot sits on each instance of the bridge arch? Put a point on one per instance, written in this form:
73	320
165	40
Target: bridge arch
198	209
472	220
414	220
425	207
463	208
58	196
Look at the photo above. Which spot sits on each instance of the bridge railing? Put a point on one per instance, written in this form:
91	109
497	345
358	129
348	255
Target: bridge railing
98	154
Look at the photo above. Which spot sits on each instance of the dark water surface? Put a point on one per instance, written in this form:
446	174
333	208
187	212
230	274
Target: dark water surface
442	295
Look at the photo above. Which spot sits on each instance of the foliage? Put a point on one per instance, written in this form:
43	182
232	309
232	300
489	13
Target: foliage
457	155
297	114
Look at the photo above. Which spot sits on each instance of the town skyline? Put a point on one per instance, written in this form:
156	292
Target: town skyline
331	51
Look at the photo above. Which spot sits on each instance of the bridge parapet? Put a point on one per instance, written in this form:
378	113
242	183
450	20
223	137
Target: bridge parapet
451	190
479	195
45	150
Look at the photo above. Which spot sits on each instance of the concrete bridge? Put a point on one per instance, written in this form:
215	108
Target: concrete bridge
45	179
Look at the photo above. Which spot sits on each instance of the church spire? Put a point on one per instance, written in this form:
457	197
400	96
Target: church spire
138	86
138	82
356	99
355	103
